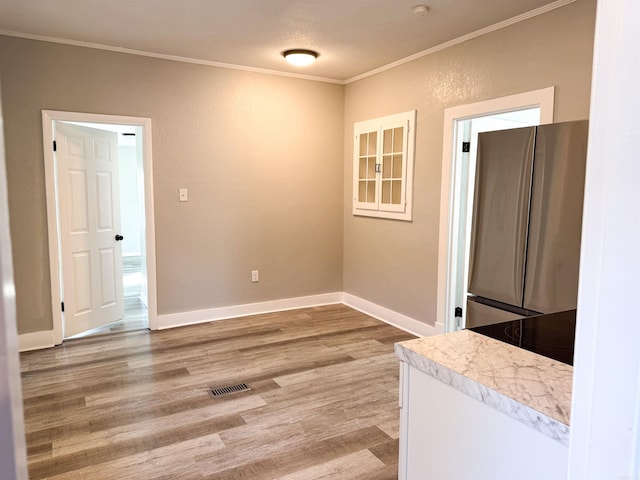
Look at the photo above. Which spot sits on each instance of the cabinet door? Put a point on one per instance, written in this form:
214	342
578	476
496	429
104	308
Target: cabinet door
500	214
366	170
392	167
383	166
553	253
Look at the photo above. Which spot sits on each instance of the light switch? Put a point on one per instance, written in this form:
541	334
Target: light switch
184	195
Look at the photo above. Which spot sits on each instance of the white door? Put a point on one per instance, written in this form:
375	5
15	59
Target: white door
89	222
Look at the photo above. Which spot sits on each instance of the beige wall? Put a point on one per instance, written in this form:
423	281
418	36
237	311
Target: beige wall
262	157
394	263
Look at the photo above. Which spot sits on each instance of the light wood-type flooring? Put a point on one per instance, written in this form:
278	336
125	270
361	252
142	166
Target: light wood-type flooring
323	402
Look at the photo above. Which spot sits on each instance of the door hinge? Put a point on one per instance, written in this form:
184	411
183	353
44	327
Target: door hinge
62	306
55	146
466	147
458	312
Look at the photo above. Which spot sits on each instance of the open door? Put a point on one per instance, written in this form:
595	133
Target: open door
89	224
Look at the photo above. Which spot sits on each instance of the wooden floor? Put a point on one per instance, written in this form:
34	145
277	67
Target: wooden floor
135	318
323	402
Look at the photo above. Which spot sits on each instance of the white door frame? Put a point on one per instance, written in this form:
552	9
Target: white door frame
48	117
543	98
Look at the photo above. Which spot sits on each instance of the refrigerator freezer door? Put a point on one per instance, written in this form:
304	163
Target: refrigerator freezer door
479	315
553	253
500	214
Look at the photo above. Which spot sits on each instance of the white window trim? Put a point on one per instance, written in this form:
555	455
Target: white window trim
403	211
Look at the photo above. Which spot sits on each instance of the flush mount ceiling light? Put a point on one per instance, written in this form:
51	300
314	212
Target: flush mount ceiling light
420	10
300	57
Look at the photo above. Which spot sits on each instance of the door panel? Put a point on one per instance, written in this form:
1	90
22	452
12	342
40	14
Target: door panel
91	258
78	201
500	214
82	281
105	201
107	275
553	256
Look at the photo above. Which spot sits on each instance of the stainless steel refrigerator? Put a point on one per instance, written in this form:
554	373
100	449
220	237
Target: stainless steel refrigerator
527	220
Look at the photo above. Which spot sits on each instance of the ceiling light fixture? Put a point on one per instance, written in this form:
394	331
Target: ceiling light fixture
300	57
420	10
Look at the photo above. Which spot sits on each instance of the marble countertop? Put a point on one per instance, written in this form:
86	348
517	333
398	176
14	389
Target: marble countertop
532	389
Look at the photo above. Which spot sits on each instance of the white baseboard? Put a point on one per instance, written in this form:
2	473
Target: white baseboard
209	315
46	339
391	317
36	340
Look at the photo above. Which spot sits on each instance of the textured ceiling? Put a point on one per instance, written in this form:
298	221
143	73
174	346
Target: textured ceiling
353	37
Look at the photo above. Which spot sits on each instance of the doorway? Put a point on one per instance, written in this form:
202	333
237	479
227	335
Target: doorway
462	212
462	124
130	251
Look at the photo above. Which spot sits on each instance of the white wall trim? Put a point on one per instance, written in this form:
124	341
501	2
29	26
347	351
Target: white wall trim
180	319
176	58
46	339
605	400
163	56
543	98
36	340
13	457
483	31
48	116
391	317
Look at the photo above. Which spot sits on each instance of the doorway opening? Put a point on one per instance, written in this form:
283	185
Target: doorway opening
462	125
100	216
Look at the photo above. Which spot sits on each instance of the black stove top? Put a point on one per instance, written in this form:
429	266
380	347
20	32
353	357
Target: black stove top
551	335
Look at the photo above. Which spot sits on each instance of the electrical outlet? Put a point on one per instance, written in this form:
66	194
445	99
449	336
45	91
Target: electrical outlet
184	195
255	276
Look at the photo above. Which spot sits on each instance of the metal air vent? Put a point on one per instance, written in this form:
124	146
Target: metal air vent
228	390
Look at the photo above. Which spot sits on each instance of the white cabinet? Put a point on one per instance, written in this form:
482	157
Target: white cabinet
383	166
448	435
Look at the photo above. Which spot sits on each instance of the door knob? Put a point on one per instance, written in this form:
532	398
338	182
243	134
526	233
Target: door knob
119	237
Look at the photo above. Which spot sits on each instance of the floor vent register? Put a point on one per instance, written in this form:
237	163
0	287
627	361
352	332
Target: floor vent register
228	390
